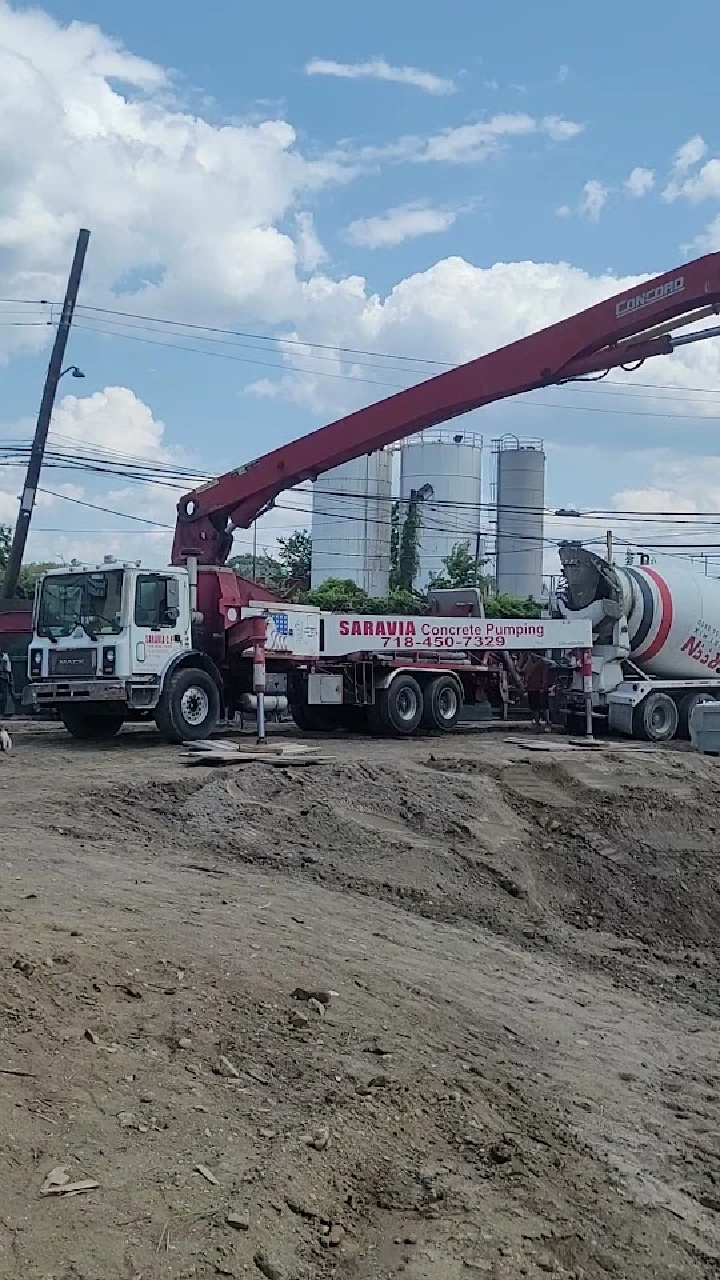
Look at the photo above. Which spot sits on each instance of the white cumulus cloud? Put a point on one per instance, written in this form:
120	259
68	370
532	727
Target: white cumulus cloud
594	198
89	136
689	154
639	181
685	158
216	217
404	222
113	419
468	143
558	129
311	252
381	69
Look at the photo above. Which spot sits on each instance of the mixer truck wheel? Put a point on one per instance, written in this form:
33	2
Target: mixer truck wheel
189	708
656	718
443	703
398	710
686	706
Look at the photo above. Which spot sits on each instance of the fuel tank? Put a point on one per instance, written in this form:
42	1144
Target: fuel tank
673	613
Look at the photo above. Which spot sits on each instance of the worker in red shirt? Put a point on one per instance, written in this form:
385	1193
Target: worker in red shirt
537	677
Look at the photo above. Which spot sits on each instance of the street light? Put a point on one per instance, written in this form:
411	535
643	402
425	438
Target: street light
73	369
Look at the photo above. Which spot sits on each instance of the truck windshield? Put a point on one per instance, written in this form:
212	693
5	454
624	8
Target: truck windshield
89	600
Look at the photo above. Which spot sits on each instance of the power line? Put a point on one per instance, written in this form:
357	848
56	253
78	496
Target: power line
292	369
128	318
266	337
224	355
106	510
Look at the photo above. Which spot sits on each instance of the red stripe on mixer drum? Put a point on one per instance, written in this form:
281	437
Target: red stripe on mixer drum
666	615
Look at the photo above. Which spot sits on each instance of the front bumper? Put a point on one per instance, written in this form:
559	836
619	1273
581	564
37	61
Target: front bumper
52	693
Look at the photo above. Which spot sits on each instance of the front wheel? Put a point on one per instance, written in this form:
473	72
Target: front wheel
656	718
443	703
189	708
89	726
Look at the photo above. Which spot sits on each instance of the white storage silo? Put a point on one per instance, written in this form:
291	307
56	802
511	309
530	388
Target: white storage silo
450	464
351	518
520	500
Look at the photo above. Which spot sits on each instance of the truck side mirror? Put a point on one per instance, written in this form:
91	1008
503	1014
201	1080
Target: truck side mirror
172	595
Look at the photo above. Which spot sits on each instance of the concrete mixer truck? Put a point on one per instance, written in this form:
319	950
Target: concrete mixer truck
656	642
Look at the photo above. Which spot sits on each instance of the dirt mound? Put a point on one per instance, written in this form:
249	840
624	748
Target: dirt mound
516	846
521	847
502	1101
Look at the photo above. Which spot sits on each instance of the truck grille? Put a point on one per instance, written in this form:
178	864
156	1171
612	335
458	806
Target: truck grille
72	662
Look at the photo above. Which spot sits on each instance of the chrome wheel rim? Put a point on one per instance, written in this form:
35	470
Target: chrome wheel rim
447	703
194	706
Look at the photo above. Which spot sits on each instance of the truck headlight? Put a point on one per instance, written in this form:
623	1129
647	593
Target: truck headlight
36	662
108	664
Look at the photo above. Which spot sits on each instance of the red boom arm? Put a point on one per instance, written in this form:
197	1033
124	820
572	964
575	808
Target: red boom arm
630	327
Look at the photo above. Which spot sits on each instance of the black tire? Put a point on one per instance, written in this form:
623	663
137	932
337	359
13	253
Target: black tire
189	708
656	718
443	703
88	726
686	706
576	724
314	719
310	719
353	719
398	710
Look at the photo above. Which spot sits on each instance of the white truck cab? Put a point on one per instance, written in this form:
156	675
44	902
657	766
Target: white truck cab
105	637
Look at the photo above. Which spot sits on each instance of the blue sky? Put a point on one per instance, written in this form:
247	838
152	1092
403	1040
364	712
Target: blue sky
566	97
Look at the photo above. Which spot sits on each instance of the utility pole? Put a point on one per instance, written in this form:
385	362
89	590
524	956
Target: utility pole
32	475
478	544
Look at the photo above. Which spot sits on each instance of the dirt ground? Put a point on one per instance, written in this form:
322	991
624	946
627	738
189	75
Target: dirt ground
518	1070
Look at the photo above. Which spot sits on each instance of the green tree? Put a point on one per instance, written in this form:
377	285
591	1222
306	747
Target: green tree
511	607
341	595
295	557
29	573
460	569
408	559
262	568
394	544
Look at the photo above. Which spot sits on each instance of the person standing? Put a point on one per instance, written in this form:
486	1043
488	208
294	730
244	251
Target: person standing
538	678
7	692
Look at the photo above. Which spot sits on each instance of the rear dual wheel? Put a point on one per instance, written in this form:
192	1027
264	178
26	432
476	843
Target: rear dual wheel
656	718
397	710
686	706
405	706
443	704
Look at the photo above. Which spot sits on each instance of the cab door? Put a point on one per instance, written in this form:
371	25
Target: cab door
160	620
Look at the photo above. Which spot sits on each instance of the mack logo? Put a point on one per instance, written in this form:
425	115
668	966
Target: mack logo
639	300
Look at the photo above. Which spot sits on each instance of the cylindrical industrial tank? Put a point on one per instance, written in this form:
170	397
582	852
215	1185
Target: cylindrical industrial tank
520	502
446	466
673	612
351	519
